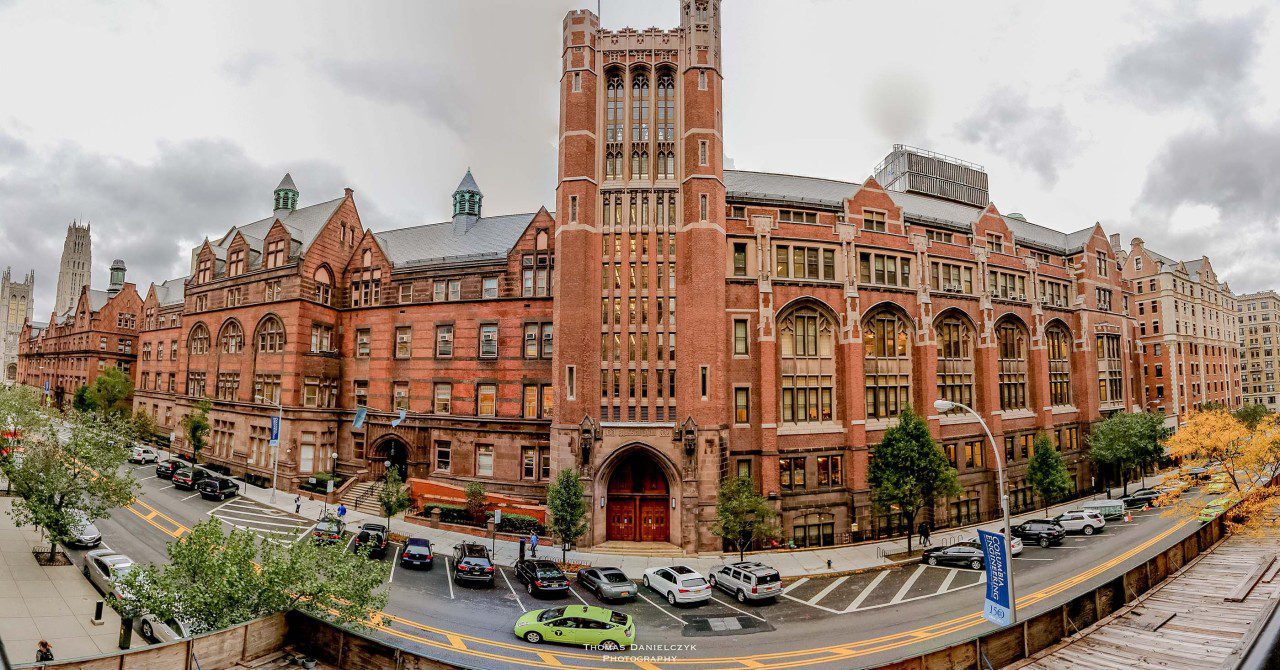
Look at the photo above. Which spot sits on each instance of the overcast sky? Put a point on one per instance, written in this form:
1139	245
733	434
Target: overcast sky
165	122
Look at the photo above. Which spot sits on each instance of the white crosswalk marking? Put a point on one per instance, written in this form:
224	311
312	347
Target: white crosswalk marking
867	591
830	587
911	581
946	583
794	584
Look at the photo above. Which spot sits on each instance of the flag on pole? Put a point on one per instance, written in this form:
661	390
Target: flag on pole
358	422
396	422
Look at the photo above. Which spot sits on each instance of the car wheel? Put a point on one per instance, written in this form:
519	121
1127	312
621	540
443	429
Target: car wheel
671	597
1088	530
533	637
1044	543
976	564
146	630
644	580
742	596
933	560
610	645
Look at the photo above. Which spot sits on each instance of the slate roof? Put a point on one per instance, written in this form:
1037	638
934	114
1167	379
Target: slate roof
98	299
287	183
490	237
468	183
785	188
303	225
171	291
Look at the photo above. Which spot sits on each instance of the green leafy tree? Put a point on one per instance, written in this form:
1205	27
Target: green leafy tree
1047	473
144	425
215	580
195	427
475	495
70	473
1252	414
83	400
393	497
908	470
1128	440
743	515
568	509
112	391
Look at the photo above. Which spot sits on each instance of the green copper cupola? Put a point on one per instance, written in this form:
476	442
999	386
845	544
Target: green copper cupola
286	196
466	204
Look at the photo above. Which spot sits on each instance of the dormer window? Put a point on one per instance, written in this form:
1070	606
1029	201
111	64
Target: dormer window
204	273
235	263
276	253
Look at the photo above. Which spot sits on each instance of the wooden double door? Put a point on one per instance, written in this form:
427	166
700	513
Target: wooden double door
639	502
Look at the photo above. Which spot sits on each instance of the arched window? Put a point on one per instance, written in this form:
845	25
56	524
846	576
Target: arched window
232	338
613	165
640	108
808	366
1011	338
1059	341
666	108
613	109
271	336
955	360
324	285
886	341
199	342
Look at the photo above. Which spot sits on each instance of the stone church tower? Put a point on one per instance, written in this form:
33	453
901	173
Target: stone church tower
15	310
75	270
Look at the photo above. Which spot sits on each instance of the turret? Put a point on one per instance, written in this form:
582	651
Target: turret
466	204
286	199
117	277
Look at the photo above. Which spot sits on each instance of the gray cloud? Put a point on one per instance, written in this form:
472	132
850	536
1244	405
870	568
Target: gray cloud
1191	59
1040	139
898	106
242	68
149	214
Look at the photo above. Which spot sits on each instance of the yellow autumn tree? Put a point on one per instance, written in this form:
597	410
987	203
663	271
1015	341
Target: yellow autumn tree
1212	435
1247	456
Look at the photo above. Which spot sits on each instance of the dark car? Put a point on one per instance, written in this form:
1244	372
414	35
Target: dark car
328	530
1140	498
417	553
165	469
186	478
471	563
968	554
542	577
371	538
608	583
1043	532
217	488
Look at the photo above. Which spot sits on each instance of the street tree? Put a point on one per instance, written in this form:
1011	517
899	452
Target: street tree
215	580
568	510
144	425
112	391
475	496
908	470
1047	473
195	427
1214	435
1252	414
743	515
83	400
1127	440
393	497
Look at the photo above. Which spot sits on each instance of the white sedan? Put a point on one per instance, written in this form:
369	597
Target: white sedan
678	584
1015	546
163	631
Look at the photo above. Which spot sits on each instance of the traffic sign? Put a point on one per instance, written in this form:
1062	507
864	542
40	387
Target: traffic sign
997	608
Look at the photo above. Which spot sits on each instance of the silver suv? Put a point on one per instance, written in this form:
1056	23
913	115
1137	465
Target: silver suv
748	580
1075	521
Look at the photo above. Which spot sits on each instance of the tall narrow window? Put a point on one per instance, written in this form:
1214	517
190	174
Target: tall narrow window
807	366
1012	346
613	110
666	109
639	109
1059	341
886	341
955	360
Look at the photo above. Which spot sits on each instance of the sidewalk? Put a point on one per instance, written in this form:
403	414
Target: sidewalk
54	603
790	563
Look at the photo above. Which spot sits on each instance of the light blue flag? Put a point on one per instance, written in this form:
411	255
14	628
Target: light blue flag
397	421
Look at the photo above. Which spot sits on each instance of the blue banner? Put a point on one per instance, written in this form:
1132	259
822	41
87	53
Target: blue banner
396	422
997	608
46	387
358	422
275	432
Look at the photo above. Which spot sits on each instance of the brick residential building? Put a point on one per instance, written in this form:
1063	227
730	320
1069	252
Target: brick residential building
1187	329
1258	316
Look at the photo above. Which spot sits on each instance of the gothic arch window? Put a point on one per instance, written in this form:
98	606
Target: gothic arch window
324	285
807	366
886	341
955	359
270	337
666	110
613	165
613	109
231	341
639	164
640	108
1059	343
1011	339
199	340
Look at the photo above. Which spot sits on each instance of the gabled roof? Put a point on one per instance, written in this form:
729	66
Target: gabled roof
171	291
303	225
97	299
831	193
490	237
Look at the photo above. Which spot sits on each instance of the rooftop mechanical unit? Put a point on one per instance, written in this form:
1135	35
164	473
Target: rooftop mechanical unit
912	170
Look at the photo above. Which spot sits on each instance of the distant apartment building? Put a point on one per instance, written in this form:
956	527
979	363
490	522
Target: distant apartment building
1258	316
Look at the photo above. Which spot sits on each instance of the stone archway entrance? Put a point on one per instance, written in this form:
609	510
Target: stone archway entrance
638	506
391	449
11	372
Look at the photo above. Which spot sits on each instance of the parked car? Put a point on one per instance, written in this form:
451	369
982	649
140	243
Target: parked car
328	530
371	538
678	583
186	478
218	488
471	563
166	468
103	567
1214	508
1081	521
542	577
1196	473
967	553
587	625
84	534
1109	509
747	580
608	583
1015	545
417	553
1044	532
141	454
167	630
1217	487
1140	498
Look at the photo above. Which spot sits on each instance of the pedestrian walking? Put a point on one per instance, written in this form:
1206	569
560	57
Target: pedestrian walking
924	534
533	544
43	651
297	504
342	510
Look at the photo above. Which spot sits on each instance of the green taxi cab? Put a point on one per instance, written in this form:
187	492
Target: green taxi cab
588	626
1215	508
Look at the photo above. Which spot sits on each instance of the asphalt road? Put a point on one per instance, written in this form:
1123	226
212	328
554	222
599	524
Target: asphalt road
832	622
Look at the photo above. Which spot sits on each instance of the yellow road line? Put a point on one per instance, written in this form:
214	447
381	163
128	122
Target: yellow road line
548	658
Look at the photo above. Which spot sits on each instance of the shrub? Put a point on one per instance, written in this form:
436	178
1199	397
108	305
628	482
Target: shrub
520	524
476	502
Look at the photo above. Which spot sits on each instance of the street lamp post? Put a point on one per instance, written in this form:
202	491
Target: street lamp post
944	406
275	454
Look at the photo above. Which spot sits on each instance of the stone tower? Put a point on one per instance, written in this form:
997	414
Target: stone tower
15	310
640	247
75	271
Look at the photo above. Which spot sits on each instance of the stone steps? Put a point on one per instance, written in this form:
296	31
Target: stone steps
661	549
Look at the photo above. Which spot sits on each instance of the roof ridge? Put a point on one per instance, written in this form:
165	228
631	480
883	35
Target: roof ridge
450	221
798	176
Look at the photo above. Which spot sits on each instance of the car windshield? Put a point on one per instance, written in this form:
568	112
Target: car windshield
549	573
416	550
553	613
614	577
618	617
327	525
693	581
768	578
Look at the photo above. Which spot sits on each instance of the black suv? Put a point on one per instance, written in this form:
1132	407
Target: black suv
542	577
217	488
1043	532
1141	497
373	536
165	469
471	563
417	552
187	477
